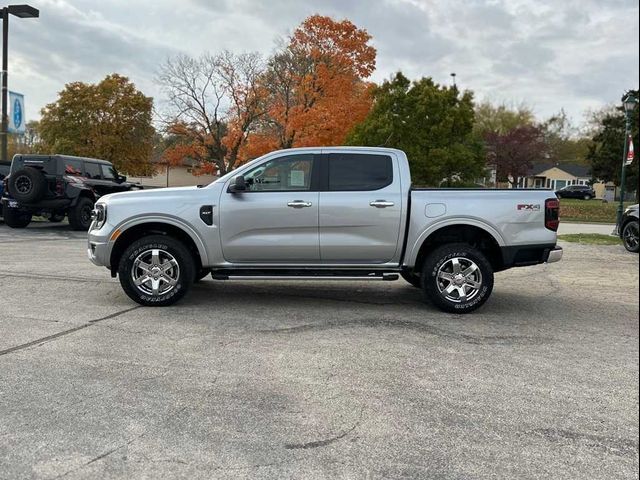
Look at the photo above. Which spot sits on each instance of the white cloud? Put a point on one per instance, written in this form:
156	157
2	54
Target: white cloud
576	54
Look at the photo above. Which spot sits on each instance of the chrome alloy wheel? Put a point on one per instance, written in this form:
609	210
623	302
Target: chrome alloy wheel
155	272
630	235
459	279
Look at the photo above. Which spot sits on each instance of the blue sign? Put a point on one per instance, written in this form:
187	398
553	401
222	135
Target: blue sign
16	114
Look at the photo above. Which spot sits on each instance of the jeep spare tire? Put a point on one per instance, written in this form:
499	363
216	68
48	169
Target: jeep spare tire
27	185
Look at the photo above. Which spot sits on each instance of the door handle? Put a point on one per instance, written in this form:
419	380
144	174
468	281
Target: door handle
299	204
381	204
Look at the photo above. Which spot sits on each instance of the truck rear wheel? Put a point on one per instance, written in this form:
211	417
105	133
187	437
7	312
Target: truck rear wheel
156	270
457	278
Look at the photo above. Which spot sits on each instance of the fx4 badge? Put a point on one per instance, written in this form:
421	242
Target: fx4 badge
529	206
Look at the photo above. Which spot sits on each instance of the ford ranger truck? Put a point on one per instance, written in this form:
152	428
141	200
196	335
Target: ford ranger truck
323	213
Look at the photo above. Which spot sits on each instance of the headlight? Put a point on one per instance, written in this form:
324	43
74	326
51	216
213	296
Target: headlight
99	215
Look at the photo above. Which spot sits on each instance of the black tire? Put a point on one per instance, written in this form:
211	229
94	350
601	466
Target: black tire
27	185
440	261
56	217
80	214
16	219
202	274
630	236
167	247
412	278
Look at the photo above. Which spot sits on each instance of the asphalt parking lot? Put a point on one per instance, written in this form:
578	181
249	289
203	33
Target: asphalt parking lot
315	380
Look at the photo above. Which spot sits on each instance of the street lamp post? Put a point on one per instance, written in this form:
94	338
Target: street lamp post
20	11
629	103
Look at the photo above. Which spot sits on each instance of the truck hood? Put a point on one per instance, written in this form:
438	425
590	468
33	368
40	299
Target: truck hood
150	195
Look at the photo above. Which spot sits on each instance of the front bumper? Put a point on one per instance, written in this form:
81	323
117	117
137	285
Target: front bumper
98	248
555	255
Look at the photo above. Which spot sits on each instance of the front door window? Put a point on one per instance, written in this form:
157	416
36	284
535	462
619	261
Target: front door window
284	174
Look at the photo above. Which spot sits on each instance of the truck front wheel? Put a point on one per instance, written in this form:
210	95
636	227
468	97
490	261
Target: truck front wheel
80	214
156	270
457	278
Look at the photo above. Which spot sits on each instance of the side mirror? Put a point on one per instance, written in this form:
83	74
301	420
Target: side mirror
122	178
238	185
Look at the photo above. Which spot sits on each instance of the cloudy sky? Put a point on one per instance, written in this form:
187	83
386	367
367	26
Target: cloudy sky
572	54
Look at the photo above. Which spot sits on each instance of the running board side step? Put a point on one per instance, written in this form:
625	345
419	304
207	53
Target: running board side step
377	277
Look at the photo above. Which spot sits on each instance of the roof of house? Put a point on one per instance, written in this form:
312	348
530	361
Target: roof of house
571	168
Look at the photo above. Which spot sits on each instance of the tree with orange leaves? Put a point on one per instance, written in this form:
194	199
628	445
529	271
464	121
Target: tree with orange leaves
227	108
316	86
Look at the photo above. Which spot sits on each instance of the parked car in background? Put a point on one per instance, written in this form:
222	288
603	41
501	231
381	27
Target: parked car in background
4	171
584	192
323	213
56	186
629	229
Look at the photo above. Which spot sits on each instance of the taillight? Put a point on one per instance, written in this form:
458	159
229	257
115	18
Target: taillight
552	213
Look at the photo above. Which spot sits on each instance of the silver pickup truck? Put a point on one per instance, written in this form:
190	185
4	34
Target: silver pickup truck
322	213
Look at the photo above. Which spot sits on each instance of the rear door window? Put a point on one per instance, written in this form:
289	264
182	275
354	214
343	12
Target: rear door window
72	167
92	170
359	172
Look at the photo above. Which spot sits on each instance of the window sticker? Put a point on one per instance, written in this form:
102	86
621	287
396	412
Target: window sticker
296	178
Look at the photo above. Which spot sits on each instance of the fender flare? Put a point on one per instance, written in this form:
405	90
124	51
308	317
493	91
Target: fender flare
77	191
169	220
415	248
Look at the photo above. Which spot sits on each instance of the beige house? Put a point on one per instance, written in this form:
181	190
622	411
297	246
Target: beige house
555	177
174	176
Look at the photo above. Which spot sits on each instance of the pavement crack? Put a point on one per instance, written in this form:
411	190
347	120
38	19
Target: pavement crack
326	441
614	446
62	278
101	456
415	326
49	338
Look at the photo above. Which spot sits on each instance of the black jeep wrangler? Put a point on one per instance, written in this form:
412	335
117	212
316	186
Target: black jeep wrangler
58	185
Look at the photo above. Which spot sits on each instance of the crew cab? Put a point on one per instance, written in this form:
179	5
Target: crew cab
323	213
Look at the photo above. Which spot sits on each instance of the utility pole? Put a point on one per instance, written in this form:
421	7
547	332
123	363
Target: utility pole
629	102
20	11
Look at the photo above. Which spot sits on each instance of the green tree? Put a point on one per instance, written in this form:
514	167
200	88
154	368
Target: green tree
109	120
28	142
564	143
431	123
500	119
605	153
